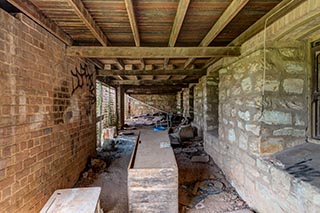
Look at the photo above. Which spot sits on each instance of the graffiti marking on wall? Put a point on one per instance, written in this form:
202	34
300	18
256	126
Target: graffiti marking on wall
83	77
303	171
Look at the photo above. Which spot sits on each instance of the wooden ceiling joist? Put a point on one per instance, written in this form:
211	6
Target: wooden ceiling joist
151	52
196	72
34	13
133	22
177	24
134	26
85	16
152	82
233	9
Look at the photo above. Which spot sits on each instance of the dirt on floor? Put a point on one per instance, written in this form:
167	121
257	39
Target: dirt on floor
202	185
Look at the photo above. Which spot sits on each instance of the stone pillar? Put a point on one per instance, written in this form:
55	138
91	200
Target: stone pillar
120	106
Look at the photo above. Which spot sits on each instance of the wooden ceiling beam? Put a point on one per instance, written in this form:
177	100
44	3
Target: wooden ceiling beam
151	52
232	10
134	25
133	22
177	24
35	14
195	72
152	82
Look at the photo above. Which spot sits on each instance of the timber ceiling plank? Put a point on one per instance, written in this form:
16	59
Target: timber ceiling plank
151	52
33	12
233	9
177	24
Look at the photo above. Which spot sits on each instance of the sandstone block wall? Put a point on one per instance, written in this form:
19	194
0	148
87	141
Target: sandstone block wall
263	109
47	115
206	104
166	103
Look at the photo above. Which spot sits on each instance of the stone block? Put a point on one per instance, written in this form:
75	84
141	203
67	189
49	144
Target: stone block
246	84
243	141
253	128
276	117
244	115
272	85
289	131
231	135
294	67
292	85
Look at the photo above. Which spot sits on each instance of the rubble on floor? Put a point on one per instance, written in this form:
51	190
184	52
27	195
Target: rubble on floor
203	187
157	119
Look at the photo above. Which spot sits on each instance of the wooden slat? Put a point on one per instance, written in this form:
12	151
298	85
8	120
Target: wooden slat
34	13
151	52
177	24
85	16
152	82
196	72
233	9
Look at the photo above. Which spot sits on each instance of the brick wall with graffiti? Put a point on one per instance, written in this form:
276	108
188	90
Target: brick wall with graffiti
47	115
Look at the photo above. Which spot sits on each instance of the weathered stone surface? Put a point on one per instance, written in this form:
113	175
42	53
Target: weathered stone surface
292	85
243	141
244	115
271	85
255	129
246	84
294	67
276	117
231	135
289	52
289	131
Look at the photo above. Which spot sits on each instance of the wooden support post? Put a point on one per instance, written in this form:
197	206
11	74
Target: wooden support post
120	106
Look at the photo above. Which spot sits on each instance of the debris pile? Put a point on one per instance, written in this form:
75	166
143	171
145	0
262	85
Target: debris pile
203	187
93	168
110	150
156	119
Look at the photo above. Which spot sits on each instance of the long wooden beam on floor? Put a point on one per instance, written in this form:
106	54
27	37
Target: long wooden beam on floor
232	10
195	72
33	12
177	24
151	52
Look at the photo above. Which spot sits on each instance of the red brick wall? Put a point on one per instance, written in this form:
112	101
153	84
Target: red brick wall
47	115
